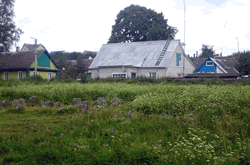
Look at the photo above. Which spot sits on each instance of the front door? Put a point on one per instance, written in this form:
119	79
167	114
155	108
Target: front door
133	75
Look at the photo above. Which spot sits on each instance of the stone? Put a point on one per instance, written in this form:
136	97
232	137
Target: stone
84	106
76	101
19	102
49	103
101	101
34	101
60	110
4	104
58	104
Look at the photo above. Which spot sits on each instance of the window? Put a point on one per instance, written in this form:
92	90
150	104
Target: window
210	63
117	75
34	73
49	76
20	75
6	75
152	74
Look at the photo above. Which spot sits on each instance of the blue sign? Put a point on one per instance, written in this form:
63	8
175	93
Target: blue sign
178	58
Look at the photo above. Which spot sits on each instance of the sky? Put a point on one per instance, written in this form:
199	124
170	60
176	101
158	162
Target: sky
80	25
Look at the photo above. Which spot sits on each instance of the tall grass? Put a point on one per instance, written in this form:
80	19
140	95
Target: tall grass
157	124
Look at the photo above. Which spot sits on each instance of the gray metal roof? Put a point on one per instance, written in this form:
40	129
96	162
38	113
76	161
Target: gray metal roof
138	54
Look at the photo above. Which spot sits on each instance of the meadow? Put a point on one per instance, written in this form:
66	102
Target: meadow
158	123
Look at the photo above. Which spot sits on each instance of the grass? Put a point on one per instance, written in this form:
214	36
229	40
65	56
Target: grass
156	124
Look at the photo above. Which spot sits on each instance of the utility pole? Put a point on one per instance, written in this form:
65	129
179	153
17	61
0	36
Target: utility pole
238	44
35	56
184	44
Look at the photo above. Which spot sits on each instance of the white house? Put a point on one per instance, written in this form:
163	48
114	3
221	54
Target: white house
163	58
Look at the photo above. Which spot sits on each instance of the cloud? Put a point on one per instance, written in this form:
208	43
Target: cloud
247	36
216	2
238	4
24	21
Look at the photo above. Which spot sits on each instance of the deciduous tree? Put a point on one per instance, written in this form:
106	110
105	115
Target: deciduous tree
207	51
136	23
9	33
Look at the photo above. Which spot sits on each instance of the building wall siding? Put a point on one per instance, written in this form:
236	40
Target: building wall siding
173	70
13	75
43	74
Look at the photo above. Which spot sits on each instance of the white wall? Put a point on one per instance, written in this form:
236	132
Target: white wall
173	70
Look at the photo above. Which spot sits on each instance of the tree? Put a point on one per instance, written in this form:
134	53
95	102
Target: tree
8	31
136	23
71	71
243	63
74	55
207	51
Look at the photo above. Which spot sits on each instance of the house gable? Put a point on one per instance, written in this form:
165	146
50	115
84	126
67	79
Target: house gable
206	67
44	61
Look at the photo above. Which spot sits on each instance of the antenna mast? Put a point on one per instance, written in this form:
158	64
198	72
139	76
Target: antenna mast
184	44
222	38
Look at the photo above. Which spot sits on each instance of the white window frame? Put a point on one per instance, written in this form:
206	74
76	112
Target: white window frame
4	75
34	73
209	65
48	78
151	74
118	75
18	75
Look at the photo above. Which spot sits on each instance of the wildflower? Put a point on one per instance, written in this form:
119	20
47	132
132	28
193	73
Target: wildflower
159	140
62	134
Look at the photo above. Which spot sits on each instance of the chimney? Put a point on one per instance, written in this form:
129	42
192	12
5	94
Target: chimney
194	55
17	49
35	41
220	54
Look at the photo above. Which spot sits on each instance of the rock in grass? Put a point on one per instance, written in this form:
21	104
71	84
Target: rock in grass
34	101
60	110
49	103
58	104
19	102
84	106
4	104
76	101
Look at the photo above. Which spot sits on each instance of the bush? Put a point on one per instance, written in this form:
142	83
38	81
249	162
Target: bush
66	79
36	77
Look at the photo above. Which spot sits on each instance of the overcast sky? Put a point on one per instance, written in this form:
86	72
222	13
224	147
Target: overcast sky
79	25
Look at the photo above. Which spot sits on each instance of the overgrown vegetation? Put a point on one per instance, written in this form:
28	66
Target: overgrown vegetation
158	123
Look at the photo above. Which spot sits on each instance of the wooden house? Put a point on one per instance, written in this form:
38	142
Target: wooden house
19	65
30	47
215	65
156	59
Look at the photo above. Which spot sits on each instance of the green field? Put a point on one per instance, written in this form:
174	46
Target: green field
156	124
